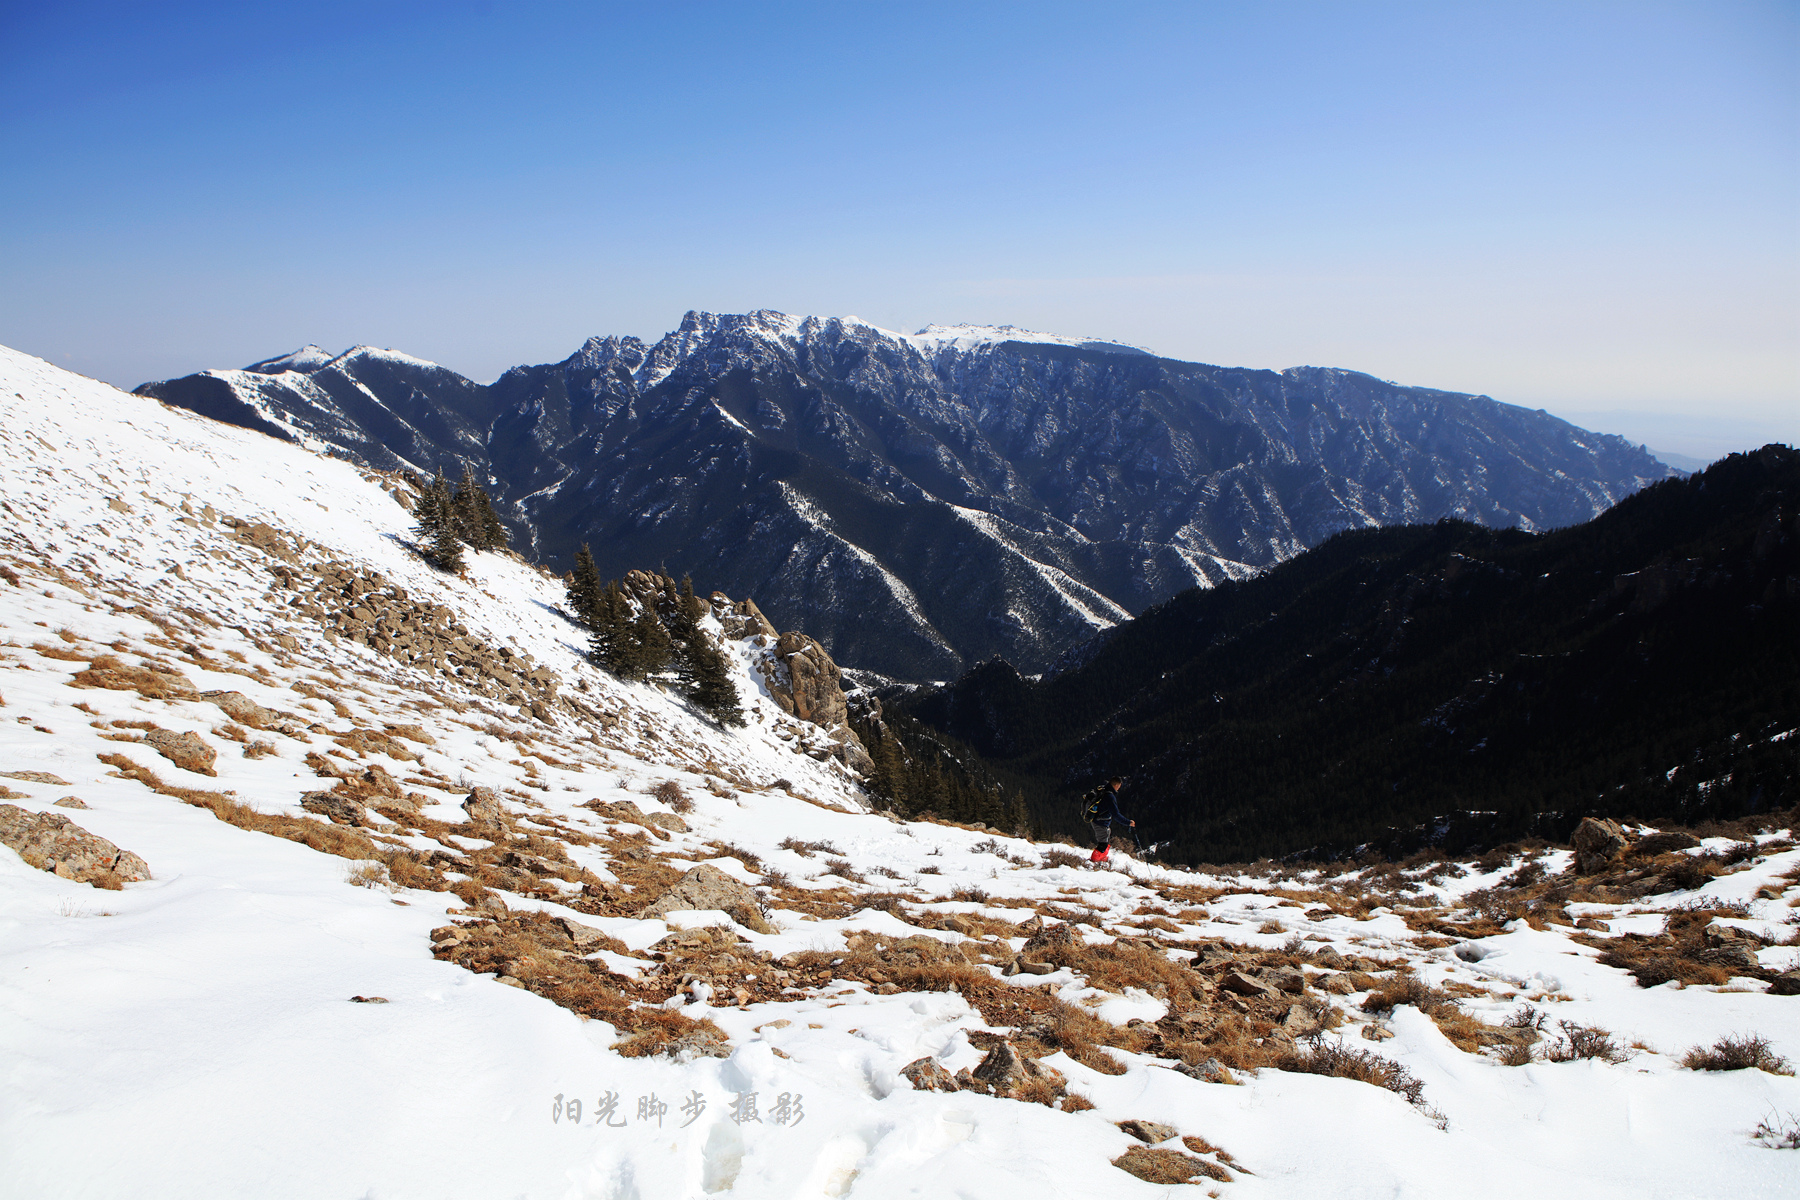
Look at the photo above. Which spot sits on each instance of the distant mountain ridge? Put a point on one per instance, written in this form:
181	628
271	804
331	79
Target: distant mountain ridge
928	501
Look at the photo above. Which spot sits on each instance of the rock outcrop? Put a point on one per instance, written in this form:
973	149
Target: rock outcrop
707	887
806	683
52	842
1596	842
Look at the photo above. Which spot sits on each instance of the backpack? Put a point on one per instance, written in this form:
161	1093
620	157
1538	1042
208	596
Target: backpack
1094	803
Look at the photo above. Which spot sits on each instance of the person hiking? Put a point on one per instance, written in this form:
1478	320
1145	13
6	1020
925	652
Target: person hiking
1100	808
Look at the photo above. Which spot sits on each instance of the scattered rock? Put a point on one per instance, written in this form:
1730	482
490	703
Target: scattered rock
1300	1022
1032	968
188	751
1148	1131
483	807
244	710
705	886
1375	1031
368	999
1210	1071
71	802
1005	1072
336	808
1786	984
1287	979
52	842
1245	985
1596	842
663	820
36	777
587	939
1056	944
928	1075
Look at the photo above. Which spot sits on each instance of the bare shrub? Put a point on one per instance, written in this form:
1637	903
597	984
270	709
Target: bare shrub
670	793
1527	1016
1056	856
1584	1041
807	849
367	874
1739	1053
259	749
1405	988
1778	1131
842	869
1336	1059
970	895
1518	1054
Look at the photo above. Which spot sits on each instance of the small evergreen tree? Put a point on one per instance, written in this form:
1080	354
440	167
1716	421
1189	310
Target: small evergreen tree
648	650
610	647
493	530
436	526
585	594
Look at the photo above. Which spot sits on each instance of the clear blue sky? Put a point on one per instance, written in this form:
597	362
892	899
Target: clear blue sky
1586	207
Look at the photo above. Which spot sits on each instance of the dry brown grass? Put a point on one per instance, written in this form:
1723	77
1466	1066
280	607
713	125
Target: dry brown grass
1153	1164
1679	952
150	682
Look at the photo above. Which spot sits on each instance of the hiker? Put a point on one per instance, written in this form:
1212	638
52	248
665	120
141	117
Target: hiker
1100	808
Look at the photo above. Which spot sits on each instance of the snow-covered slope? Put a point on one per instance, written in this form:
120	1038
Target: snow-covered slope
198	1033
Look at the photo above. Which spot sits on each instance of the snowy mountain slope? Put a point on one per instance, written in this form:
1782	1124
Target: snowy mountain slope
195	1033
1108	478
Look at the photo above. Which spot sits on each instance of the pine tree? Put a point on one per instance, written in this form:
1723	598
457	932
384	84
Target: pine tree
465	510
585	594
611	644
436	526
649	650
493	530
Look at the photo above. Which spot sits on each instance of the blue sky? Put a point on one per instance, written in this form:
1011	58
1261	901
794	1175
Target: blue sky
1585	207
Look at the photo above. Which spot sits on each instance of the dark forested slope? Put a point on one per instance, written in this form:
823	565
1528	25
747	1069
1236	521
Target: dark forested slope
1442	683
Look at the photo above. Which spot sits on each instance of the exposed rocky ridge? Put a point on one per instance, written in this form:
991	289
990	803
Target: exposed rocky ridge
922	503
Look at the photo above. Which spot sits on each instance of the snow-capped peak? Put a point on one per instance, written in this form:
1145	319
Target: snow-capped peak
967	337
305	360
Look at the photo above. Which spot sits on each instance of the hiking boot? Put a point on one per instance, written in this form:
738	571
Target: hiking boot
1100	855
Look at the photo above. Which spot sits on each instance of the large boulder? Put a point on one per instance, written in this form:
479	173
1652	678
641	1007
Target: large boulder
1596	843
707	887
188	751
52	842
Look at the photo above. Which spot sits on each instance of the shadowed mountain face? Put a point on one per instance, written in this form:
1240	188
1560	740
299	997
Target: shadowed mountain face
1438	684
929	501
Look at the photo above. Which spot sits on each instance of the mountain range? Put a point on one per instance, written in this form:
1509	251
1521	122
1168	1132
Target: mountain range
926	502
1442	685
